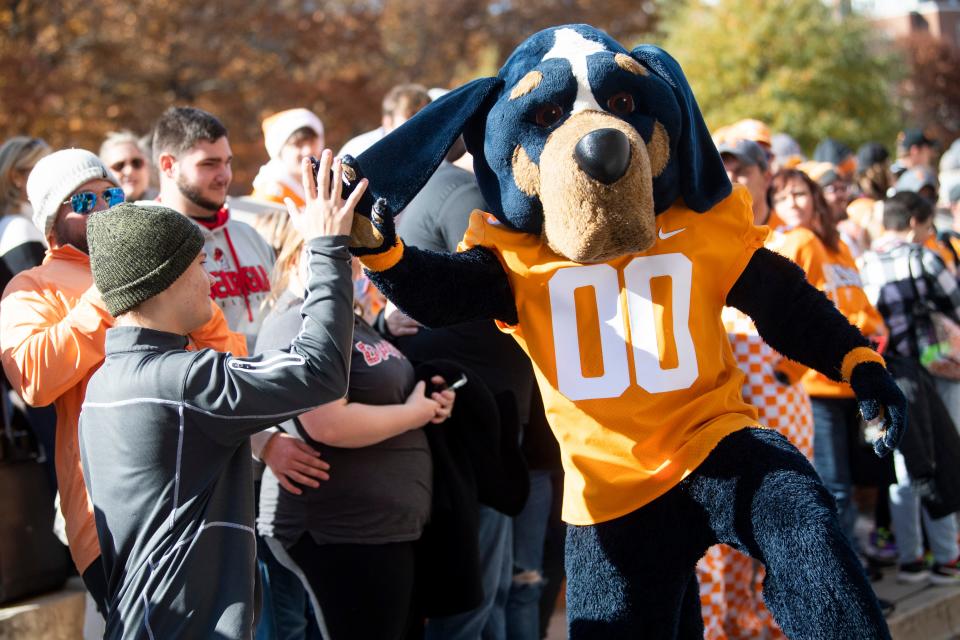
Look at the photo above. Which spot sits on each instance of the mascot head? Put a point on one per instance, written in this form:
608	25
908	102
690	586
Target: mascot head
576	139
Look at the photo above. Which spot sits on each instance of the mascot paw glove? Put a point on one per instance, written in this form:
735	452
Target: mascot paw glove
382	227
374	232
878	395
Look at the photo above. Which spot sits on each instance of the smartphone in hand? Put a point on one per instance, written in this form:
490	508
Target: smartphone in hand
437	388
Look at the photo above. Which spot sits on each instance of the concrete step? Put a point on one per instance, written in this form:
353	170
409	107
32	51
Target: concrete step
51	616
923	611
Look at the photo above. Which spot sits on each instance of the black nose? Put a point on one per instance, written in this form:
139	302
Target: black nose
603	154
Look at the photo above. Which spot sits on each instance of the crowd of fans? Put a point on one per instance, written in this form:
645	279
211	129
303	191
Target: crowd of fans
348	492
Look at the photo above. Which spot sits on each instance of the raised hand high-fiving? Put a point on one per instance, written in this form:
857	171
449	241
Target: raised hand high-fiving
325	212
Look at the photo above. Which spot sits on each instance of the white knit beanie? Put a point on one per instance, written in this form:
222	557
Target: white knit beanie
58	175
280	126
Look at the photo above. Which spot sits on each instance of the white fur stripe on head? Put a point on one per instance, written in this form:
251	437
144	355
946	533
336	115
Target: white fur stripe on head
574	48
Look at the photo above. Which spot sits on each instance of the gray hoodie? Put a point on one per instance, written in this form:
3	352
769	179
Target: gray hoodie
164	440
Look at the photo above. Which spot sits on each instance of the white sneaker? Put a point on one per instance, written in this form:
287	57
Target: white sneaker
946	574
913	572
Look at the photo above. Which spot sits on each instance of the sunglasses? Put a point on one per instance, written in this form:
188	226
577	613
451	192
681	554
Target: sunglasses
84	201
135	163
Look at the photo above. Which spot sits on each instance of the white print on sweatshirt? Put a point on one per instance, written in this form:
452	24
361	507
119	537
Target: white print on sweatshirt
240	261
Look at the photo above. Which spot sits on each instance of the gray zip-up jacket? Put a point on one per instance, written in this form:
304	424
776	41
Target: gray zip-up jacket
164	440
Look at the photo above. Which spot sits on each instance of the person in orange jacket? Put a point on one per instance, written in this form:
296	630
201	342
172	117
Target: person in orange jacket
810	239
53	324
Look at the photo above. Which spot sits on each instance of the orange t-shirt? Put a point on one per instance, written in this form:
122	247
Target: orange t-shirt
631	356
836	274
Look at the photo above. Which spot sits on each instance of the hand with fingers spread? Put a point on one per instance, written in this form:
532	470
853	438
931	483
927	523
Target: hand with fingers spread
325	213
294	461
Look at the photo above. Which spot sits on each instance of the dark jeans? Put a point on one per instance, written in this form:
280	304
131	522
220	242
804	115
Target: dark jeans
43	422
834	422
529	535
286	613
488	620
634	576
95	580
363	590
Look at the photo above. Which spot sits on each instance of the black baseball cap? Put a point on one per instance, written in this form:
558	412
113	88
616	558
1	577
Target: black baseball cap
870	154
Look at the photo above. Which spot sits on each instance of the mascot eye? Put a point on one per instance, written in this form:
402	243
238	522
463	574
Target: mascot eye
620	103
548	115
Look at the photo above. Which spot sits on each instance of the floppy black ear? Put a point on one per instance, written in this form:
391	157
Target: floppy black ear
700	175
401	163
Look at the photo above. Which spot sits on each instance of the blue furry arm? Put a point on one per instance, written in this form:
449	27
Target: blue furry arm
793	316
439	289
434	288
803	324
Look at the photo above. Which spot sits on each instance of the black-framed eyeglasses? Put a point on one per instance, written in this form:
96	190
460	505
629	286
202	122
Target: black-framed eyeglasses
84	201
135	163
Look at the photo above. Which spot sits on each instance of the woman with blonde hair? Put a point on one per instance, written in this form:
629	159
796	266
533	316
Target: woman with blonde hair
17	157
21	244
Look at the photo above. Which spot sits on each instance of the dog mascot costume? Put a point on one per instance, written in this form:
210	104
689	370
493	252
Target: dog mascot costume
613	241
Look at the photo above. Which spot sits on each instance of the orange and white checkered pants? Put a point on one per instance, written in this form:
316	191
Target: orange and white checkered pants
731	583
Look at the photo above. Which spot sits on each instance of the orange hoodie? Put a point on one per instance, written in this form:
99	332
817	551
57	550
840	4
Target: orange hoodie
52	331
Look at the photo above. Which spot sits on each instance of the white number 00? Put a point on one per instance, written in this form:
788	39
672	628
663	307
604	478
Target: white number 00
650	375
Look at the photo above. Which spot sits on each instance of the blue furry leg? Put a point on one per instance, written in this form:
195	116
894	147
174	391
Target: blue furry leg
630	577
634	577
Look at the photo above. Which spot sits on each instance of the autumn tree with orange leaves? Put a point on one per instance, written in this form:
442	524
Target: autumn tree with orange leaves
74	69
931	90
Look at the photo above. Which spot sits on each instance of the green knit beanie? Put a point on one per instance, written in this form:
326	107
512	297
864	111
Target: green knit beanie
138	251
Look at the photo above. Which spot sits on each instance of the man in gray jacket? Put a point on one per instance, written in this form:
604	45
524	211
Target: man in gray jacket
164	432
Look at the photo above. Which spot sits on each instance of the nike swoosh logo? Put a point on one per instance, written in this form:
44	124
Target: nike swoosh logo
670	234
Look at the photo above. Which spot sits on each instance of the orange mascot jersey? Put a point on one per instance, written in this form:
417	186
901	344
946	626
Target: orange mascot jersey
637	375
